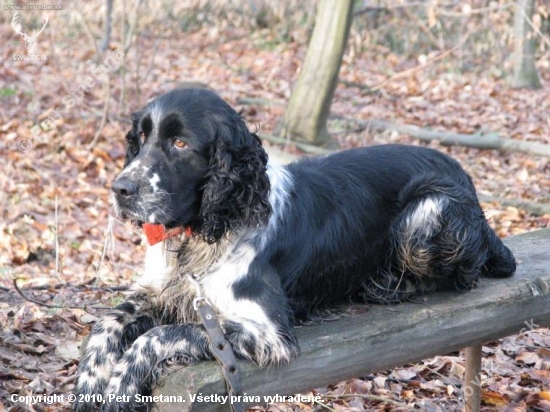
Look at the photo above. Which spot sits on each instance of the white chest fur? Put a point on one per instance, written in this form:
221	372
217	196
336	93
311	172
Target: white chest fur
156	269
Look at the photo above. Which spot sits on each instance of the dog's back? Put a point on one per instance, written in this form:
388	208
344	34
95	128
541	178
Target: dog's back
382	223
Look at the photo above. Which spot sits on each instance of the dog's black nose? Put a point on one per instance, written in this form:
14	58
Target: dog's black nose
124	187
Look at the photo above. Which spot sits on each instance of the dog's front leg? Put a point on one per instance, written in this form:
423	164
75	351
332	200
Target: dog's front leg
143	364
110	337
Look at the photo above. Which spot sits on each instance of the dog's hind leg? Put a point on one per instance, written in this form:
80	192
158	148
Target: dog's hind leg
441	235
501	262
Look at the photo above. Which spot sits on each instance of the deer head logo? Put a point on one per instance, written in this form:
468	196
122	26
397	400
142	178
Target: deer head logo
30	40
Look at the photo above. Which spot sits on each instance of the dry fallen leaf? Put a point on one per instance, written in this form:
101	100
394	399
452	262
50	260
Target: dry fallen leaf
493	399
68	351
528	358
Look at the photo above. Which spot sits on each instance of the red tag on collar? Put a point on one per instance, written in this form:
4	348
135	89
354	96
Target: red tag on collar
158	233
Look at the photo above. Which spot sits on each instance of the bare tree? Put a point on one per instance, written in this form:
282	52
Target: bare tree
306	115
525	72
108	26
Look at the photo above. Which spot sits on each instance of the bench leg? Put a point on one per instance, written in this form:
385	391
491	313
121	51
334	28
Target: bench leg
471	388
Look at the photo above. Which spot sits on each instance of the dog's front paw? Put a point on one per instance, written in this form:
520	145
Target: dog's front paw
131	377
91	383
87	396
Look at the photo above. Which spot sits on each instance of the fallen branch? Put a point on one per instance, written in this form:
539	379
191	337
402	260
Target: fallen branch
85	286
28	299
488	141
375	398
47	305
537	209
308	148
479	141
257	100
370	9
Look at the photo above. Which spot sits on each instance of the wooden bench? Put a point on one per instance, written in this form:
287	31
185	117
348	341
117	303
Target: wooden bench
383	337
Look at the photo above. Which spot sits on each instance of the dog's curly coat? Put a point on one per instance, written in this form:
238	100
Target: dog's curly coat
272	245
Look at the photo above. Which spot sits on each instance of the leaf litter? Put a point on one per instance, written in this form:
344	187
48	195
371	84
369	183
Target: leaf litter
65	263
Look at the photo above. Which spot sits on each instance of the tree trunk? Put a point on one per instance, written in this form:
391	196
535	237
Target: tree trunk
525	72
108	25
305	118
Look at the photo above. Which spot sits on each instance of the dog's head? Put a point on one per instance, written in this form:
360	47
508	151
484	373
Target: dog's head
191	162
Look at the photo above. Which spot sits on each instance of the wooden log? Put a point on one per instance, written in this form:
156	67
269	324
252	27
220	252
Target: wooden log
379	337
483	141
479	141
535	208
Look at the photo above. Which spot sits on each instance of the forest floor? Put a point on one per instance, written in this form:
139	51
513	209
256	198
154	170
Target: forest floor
55	240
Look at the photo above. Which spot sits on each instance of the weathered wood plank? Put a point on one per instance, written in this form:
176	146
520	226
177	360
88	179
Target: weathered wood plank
384	337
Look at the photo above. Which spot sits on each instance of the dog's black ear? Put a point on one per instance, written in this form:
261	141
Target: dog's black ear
133	143
237	187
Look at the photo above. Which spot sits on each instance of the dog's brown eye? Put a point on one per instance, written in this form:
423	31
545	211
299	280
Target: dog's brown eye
180	144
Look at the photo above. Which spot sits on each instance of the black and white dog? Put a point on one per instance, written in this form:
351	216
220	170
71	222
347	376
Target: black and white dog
271	245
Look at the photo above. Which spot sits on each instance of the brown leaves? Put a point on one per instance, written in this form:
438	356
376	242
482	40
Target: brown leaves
28	359
539	401
493	399
38	346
